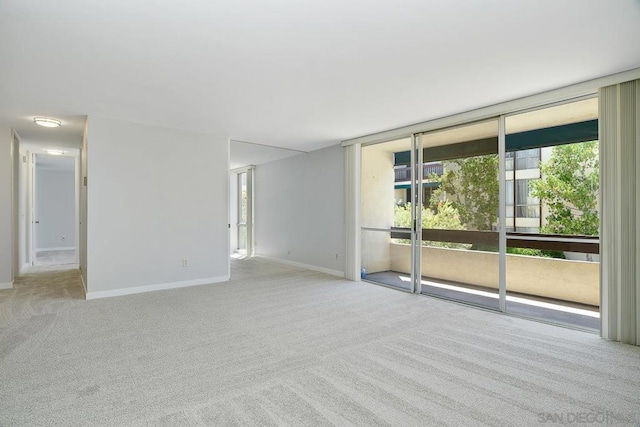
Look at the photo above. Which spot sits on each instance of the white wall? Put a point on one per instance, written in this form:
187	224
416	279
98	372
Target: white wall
6	219
55	208
154	197
299	209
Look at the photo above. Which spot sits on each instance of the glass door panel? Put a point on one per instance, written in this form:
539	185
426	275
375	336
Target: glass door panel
460	258
386	201
552	179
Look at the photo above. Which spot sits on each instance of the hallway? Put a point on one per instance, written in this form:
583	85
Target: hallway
43	290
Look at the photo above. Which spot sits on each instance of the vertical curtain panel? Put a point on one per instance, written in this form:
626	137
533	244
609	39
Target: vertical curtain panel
619	135
352	211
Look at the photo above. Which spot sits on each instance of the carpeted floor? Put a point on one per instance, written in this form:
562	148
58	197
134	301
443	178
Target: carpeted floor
283	346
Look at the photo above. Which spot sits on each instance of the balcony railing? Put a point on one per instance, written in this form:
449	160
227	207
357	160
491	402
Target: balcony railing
403	173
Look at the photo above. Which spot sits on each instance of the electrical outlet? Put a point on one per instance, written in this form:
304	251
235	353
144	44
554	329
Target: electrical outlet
185	262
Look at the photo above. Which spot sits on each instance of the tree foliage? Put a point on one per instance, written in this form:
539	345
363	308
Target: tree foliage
471	186
569	187
445	217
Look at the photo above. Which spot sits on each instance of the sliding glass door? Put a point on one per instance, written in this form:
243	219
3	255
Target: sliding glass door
501	213
552	198
429	208
460	182
387	200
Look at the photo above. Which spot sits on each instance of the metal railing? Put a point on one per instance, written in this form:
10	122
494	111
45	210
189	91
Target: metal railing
428	169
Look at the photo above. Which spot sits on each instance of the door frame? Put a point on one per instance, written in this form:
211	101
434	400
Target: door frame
32	197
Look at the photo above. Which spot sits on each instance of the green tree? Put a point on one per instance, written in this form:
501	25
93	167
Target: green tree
445	217
471	186
569	187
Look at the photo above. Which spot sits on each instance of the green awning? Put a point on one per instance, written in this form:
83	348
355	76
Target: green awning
551	136
431	184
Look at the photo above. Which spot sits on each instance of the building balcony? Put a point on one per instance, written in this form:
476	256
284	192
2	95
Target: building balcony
563	291
403	173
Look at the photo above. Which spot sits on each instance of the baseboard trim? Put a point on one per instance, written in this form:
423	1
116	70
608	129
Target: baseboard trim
6	285
84	285
305	266
59	248
157	287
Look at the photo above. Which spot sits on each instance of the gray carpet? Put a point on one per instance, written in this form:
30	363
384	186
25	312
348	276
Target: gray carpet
284	346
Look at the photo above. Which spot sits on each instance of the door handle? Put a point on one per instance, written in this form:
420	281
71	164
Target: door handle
37	222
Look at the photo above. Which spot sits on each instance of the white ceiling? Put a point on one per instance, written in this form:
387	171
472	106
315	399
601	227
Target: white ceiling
246	153
298	74
67	136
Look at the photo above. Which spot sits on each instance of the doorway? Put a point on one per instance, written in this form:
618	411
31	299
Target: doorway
54	222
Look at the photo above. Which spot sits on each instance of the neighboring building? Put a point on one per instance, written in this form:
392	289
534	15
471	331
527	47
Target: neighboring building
402	184
524	212
527	210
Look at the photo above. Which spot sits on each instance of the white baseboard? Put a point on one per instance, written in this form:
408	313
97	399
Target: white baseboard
59	248
6	285
305	266
157	287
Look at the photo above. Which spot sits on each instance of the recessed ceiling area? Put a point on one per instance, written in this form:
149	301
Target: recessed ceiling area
299	75
66	137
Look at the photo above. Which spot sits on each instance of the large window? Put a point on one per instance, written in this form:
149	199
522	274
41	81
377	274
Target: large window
245	212
431	214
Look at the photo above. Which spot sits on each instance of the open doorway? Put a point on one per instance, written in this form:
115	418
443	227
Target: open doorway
54	225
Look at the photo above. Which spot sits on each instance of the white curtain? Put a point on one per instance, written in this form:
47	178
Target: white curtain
620	204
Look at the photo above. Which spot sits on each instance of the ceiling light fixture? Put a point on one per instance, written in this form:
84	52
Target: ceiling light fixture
55	152
47	122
